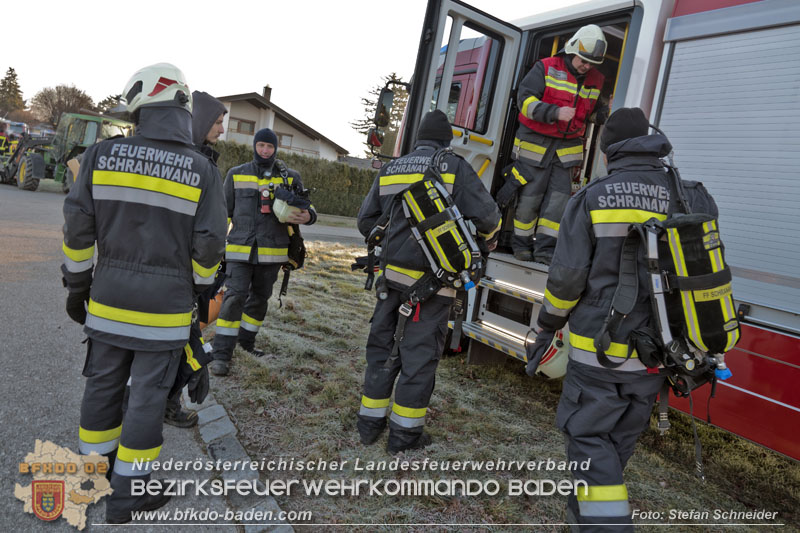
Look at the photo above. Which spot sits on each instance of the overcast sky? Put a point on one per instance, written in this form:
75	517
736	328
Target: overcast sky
319	56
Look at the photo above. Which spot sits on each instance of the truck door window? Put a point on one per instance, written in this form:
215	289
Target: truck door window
473	75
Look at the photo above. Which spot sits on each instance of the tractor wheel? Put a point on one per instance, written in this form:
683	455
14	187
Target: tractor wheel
69	179
25	179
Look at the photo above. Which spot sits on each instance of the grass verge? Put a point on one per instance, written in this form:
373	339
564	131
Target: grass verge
300	401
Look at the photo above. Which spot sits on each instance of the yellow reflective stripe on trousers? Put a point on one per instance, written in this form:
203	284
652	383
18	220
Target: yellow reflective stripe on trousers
125	465
689	310
139	318
548	227
603	500
228	327
586	344
147	183
102	442
373	407
408	417
77	261
630	216
249	323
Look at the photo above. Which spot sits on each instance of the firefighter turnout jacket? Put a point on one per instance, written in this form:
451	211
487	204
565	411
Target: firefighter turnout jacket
585	269
151	209
252	229
548	86
402	259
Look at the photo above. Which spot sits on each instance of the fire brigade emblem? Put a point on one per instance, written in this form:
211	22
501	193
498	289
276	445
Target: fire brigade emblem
48	499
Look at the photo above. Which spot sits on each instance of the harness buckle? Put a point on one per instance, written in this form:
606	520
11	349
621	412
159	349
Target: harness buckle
405	309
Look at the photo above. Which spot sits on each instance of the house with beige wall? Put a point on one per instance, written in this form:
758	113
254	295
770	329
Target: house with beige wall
250	112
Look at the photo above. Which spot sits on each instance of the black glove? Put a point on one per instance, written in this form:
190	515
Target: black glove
76	306
198	385
193	361
507	192
536	350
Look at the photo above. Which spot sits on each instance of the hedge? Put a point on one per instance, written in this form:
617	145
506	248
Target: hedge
338	189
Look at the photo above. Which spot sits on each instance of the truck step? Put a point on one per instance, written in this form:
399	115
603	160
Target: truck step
508	344
513	290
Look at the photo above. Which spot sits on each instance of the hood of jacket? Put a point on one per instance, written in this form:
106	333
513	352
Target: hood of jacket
164	123
650	147
205	111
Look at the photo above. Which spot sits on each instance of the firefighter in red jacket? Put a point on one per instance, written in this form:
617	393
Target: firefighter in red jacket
555	99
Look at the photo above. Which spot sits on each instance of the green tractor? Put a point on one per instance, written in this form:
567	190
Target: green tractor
35	159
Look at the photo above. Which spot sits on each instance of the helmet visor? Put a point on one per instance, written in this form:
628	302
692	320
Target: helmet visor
596	54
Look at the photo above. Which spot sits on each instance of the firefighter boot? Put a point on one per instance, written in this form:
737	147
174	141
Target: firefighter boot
370	430
400	441
149	502
218	367
175	415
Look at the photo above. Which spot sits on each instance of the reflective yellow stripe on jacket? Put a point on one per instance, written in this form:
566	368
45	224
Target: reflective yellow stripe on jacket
137	324
147	190
396	183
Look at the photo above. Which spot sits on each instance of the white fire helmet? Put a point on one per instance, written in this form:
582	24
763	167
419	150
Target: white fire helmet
161	83
554	361
588	43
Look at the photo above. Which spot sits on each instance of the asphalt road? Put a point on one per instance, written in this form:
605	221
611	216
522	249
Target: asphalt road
41	357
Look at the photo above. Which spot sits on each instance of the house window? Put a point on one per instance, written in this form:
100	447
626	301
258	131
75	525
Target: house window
238	125
284	140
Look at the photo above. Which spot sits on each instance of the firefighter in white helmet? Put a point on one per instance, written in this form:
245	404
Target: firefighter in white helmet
555	99
155	208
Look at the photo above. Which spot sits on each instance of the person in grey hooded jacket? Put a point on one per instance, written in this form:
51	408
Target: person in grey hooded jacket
208	114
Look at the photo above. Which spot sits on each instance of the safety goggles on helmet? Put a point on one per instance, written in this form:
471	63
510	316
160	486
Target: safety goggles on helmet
162	84
588	43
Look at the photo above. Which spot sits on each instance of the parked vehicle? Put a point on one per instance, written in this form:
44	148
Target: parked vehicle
35	159
688	64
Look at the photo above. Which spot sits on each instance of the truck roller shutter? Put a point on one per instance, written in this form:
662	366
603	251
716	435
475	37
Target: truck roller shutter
730	105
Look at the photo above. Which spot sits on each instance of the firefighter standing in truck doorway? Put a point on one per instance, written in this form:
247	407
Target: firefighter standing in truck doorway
207	117
257	248
403	263
555	99
154	207
602	410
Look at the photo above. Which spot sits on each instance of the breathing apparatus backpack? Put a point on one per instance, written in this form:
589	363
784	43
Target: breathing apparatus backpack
454	257
693	318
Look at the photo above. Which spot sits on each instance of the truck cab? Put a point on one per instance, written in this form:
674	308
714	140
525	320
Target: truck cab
674	59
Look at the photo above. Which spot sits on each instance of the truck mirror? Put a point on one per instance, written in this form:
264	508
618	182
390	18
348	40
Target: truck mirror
383	109
375	138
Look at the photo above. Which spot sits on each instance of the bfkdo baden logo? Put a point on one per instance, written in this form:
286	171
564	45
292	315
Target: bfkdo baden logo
64	483
48	499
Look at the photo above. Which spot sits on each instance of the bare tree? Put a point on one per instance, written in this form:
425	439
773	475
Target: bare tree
50	102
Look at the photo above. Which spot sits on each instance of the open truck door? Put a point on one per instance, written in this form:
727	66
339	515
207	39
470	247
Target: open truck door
466	66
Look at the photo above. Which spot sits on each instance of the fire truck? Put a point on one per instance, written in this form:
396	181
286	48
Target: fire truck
720	78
